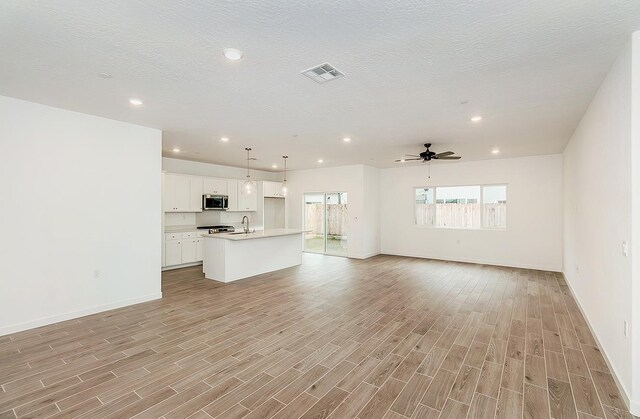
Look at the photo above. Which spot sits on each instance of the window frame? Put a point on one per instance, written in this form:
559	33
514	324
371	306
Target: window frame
481	202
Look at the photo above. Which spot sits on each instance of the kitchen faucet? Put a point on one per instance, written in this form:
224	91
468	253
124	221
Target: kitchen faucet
246	228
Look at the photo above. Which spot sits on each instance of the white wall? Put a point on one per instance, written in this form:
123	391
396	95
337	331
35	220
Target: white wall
533	238
371	206
597	216
635	205
350	179
215	170
80	214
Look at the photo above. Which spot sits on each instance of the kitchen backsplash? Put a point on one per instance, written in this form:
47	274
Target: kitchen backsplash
211	218
179	218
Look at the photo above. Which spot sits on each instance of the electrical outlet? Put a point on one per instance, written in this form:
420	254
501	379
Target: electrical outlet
457	241
96	273
626	329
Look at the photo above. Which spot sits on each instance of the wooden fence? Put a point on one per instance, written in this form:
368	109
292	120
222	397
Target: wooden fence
336	219
461	215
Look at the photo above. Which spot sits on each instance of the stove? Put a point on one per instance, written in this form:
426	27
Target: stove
218	229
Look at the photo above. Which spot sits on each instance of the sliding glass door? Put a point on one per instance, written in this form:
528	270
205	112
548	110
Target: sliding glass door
314	225
325	223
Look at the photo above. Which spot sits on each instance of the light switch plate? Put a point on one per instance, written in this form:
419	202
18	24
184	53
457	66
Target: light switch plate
625	248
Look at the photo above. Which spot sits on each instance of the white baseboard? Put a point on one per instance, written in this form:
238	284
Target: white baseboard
632	405
366	256
184	265
5	330
479	261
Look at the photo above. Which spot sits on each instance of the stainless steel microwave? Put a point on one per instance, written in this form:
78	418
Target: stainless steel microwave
215	202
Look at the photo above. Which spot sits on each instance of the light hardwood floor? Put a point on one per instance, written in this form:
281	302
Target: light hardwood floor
388	337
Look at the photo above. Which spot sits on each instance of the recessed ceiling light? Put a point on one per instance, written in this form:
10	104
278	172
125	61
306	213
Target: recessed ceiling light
476	118
495	151
224	139
346	139
275	166
175	150
135	101
232	54
320	161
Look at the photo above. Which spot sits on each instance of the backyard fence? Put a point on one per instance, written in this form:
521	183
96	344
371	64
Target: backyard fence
336	219
461	215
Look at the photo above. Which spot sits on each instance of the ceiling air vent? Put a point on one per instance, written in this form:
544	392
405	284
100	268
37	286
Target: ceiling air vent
323	73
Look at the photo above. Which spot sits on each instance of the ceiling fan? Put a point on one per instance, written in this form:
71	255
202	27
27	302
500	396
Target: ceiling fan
429	155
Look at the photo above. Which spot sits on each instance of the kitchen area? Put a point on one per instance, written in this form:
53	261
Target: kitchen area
222	223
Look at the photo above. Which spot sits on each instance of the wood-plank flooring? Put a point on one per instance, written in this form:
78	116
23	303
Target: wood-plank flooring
388	337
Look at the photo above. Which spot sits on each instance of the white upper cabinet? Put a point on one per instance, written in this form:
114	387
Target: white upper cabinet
272	189
215	186
177	193
182	193
196	193
247	202
232	188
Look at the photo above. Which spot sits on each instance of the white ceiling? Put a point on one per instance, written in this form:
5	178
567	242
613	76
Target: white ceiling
528	67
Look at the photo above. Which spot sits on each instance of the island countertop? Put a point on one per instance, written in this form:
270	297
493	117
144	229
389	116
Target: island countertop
258	234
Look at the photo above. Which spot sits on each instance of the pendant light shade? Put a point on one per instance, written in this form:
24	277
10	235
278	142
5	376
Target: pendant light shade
248	187
284	189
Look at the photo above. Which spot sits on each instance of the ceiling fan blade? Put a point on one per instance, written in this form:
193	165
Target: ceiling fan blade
401	160
444	153
448	158
412	155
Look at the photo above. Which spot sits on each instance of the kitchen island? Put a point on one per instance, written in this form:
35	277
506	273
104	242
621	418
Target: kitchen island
231	256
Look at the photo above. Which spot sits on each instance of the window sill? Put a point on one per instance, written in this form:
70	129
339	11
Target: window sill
460	228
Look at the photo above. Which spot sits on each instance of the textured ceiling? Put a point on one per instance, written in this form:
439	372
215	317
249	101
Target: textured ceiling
528	67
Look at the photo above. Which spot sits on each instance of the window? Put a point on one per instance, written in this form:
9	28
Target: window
494	206
470	207
424	206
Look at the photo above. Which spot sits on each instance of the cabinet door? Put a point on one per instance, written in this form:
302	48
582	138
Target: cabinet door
173	252
232	189
199	248
247	202
271	189
168	193
196	192
177	189
189	250
215	186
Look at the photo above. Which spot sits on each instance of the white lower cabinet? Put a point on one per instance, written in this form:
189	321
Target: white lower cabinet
189	250
173	252
183	248
199	248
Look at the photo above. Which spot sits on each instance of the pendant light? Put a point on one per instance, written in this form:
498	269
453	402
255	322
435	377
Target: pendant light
248	187
284	188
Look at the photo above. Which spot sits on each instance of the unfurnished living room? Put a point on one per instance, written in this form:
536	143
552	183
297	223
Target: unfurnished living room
320	209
